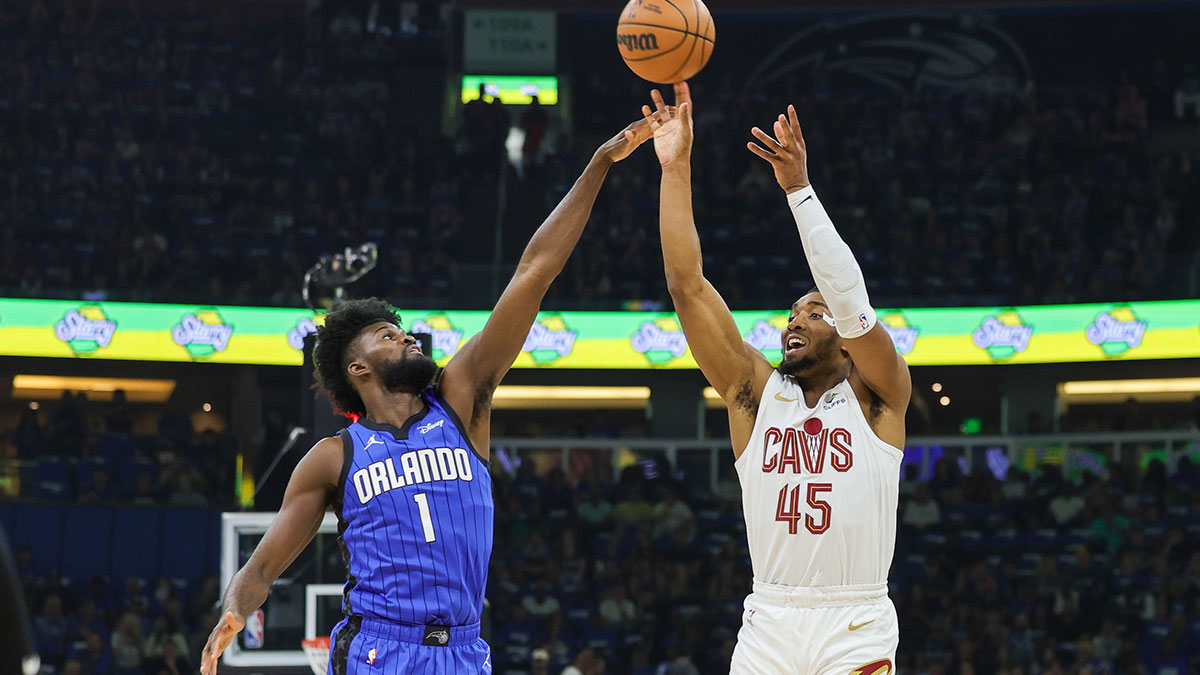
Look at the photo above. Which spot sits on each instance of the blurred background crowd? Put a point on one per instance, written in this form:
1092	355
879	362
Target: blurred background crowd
188	156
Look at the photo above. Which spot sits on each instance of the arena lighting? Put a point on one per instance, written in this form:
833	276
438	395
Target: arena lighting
712	399
546	397
1109	391
97	388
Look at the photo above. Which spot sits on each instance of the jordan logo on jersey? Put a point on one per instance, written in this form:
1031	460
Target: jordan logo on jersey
416	467
804	450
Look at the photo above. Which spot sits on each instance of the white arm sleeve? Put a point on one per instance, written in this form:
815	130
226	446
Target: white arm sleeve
833	266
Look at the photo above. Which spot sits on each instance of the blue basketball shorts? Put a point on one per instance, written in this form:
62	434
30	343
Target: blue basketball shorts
361	646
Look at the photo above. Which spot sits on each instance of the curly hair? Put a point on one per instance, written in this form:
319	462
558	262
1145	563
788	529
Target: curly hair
342	325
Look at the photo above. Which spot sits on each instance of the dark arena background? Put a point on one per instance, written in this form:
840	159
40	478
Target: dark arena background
189	184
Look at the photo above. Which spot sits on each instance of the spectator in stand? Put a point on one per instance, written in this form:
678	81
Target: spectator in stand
540	604
128	646
171	661
1066	508
922	512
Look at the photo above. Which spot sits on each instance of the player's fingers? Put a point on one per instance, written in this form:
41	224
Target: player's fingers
795	124
756	149
649	115
685	111
682	93
778	129
784	132
766	139
659	103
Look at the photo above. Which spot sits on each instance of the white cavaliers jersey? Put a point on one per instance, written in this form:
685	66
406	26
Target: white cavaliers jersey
819	490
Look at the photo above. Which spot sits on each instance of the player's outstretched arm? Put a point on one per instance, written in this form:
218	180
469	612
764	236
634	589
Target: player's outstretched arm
475	371
833	266
735	369
290	531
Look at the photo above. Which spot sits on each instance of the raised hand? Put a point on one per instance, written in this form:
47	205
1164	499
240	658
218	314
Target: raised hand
786	151
671	125
219	640
626	141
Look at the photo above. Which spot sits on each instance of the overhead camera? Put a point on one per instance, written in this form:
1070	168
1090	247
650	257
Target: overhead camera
324	282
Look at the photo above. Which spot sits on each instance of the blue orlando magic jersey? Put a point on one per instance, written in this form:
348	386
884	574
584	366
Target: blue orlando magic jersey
415	522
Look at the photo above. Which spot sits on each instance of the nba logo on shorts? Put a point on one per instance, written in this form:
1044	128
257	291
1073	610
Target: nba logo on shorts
371	657
254	630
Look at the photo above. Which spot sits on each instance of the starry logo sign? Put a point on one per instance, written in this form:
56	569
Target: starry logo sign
85	330
903	334
1003	336
549	340
660	340
1116	331
446	337
764	336
202	333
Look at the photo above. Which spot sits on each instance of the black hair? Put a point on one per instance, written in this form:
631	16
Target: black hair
342	325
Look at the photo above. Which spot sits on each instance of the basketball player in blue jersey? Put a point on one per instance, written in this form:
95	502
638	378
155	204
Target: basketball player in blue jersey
409	479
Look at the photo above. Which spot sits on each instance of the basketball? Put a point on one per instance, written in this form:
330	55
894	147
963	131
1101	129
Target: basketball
666	41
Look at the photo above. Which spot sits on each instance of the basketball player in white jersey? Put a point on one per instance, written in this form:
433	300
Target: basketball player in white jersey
817	441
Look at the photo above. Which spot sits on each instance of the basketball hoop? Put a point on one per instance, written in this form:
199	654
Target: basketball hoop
317	650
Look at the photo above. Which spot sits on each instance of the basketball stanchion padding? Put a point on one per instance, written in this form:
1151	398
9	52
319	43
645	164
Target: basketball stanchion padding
317	650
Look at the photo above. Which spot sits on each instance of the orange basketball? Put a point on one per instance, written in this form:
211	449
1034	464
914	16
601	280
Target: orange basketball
666	41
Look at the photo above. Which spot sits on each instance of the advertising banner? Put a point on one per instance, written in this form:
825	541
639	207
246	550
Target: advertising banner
624	340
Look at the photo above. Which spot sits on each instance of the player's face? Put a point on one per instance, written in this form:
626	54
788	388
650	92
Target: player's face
396	358
809	339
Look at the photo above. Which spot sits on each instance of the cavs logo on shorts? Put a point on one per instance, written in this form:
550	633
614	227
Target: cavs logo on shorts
883	667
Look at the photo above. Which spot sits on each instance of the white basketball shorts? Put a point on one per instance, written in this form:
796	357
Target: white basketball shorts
829	630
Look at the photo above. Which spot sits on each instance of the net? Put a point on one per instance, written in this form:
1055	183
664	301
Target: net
317	650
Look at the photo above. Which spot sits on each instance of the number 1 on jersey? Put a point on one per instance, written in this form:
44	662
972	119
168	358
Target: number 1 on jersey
426	519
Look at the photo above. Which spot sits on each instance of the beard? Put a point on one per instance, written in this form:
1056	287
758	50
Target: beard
820	352
409	374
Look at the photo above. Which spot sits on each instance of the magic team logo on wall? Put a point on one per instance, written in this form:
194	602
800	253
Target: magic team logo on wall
902	50
446	337
660	340
903	334
85	330
765	334
549	340
202	333
1116	331
1003	336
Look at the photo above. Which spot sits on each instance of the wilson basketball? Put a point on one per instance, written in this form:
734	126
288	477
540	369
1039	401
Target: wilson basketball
666	41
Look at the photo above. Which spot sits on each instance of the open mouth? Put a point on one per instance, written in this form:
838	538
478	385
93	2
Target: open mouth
794	344
415	350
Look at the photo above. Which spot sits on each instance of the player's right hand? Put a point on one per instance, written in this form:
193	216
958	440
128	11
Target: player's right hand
219	640
672	127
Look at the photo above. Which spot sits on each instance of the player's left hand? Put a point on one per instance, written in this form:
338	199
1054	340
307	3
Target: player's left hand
218	641
786	151
671	125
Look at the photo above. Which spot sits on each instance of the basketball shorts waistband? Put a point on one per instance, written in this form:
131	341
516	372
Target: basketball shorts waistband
431	635
819	596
